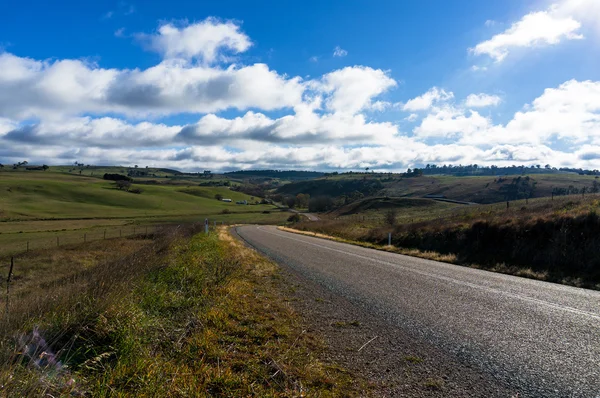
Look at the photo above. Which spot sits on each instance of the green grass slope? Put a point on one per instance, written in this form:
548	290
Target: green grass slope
47	195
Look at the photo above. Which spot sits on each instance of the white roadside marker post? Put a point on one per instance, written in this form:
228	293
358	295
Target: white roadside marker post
206	226
389	239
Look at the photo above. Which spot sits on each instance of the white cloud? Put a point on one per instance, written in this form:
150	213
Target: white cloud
482	100
303	128
351	89
102	132
30	88
425	101
202	40
538	28
412	117
449	121
339	52
314	58
569	112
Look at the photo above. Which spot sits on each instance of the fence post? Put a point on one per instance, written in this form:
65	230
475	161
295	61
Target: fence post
104	234
389	239
10	272
206	226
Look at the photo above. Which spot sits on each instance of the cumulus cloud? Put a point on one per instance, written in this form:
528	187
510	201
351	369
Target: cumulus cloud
562	20
352	89
303	128
103	132
425	101
534	29
339	52
203	41
482	100
31	88
569	112
449	121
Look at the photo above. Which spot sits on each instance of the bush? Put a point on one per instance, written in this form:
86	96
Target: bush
116	177
225	211
294	218
390	216
123	184
219	196
136	191
320	203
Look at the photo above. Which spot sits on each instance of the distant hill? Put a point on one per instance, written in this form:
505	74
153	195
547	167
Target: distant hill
333	187
477	189
279	174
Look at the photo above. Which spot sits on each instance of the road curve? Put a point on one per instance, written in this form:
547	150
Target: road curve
540	338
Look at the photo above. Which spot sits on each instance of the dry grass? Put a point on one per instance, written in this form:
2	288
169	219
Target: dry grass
182	316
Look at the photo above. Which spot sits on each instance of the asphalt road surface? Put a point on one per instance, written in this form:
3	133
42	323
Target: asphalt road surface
540	338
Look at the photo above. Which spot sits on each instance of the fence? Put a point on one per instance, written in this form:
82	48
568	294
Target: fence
13	244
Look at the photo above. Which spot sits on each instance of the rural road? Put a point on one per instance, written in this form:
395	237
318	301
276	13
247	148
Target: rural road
539	338
310	216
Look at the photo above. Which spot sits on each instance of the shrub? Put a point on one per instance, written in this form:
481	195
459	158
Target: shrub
116	177
294	218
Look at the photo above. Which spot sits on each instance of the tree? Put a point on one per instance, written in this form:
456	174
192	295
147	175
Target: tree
290	201
45	167
123	185
320	204
302	200
219	196
390	216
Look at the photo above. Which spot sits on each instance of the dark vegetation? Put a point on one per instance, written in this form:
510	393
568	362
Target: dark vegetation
116	177
555	240
279	174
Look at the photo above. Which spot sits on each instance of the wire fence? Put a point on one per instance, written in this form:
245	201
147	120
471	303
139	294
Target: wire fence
14	244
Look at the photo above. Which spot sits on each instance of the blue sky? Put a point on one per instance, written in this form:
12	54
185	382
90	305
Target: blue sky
336	85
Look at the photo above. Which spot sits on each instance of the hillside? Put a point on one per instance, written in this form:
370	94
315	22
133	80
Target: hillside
477	189
46	195
375	205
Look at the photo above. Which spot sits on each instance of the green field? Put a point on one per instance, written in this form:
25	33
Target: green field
37	207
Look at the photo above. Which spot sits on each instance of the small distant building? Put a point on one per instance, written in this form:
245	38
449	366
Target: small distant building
226	200
241	202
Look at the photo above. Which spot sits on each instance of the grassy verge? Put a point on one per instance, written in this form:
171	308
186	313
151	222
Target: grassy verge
552	240
183	315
